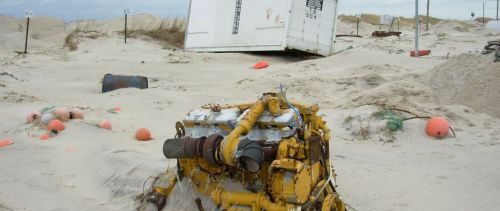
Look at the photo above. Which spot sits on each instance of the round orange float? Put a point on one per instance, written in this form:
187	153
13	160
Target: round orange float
143	134
76	113
55	126
62	114
32	116
437	127
105	124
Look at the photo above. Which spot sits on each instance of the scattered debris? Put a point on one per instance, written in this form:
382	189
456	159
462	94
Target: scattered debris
143	134
55	126
348	35
5	142
385	34
420	53
394	121
105	124
492	46
44	136
260	65
32	116
112	82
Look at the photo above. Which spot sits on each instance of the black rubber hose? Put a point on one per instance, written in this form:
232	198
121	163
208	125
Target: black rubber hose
251	155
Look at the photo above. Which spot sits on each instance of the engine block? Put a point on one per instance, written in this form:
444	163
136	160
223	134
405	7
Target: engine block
278	150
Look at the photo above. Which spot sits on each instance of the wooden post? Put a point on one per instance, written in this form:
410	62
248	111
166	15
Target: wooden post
125	28
27	32
126	11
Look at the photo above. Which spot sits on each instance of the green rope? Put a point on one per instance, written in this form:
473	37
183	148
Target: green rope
394	122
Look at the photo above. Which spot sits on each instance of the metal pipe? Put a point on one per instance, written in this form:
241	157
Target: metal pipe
256	201
126	27
427	22
417	24
26	41
230	144
357	27
497	7
484	4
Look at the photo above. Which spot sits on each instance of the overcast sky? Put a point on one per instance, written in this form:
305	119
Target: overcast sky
102	9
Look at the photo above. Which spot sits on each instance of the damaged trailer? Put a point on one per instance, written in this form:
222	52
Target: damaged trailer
262	25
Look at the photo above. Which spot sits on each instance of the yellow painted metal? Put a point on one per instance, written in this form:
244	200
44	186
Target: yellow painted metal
165	183
333	202
288	148
230	143
274	106
257	201
293	179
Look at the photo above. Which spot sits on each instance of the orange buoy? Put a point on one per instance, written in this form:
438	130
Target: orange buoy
420	53
32	116
76	113
260	65
437	127
62	114
143	134
5	142
117	109
44	137
55	126
105	124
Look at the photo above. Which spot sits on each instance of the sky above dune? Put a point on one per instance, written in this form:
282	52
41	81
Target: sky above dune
94	9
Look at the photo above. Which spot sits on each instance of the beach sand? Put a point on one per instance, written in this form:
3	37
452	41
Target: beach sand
89	168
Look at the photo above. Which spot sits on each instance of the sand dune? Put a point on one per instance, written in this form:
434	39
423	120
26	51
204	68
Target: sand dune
88	168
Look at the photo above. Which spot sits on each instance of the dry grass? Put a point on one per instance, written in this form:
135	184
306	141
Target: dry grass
486	19
170	33
72	39
375	19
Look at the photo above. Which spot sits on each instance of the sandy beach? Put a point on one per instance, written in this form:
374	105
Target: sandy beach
89	168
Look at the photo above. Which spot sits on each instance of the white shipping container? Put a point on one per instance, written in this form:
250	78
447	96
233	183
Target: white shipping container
262	25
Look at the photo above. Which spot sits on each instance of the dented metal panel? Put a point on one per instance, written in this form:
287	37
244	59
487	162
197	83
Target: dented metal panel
262	25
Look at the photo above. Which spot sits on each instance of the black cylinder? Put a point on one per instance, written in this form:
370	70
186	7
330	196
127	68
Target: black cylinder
251	155
112	82
174	148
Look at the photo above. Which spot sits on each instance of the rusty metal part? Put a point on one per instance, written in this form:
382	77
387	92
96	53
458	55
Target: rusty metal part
385	34
315	153
210	148
270	152
180	130
112	82
183	147
198	204
193	148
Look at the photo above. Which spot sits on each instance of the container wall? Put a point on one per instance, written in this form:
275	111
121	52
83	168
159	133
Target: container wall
312	26
234	25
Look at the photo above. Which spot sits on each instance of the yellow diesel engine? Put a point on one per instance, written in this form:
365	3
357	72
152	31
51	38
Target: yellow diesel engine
277	149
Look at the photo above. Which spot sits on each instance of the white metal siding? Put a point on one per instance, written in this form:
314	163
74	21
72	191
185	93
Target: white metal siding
264	25
312	30
261	25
